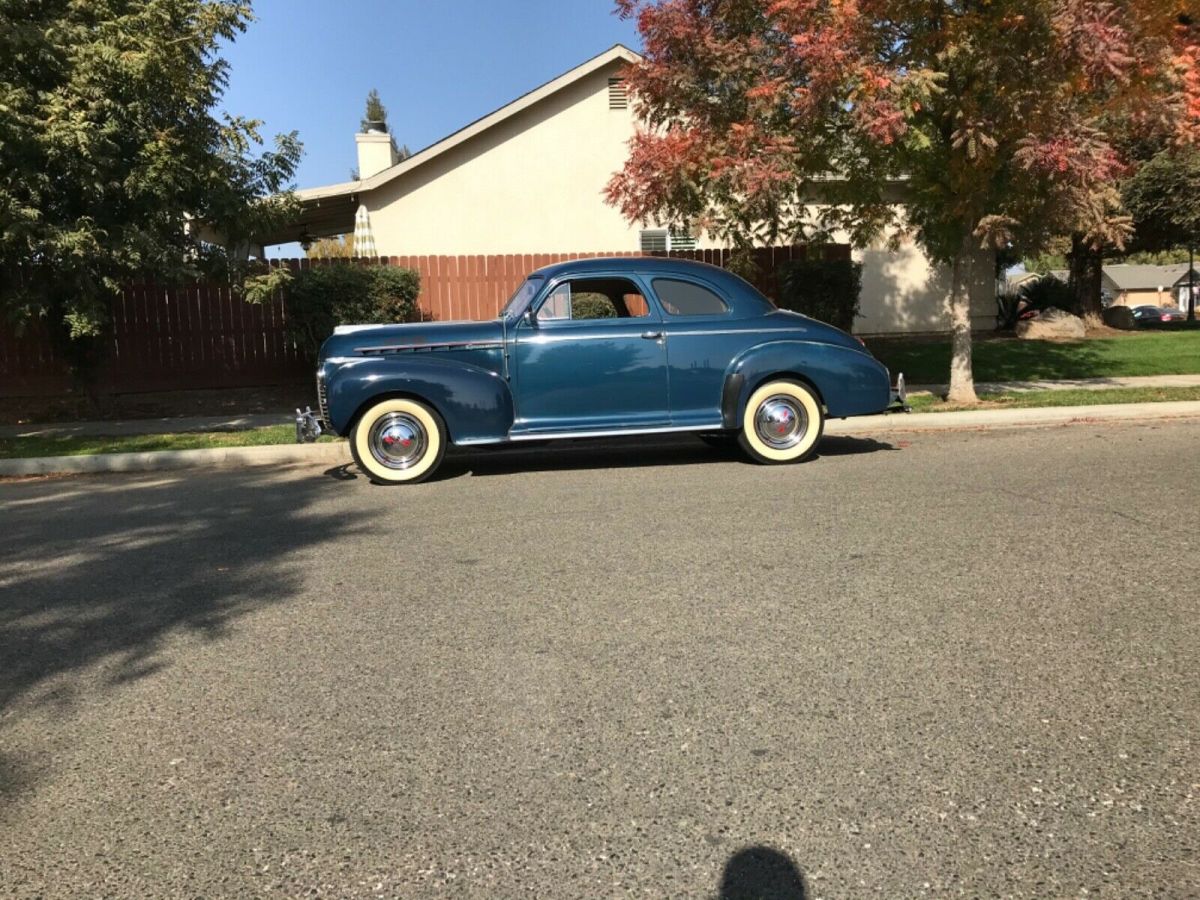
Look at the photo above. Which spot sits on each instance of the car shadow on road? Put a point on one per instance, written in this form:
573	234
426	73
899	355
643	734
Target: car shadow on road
608	453
762	873
105	571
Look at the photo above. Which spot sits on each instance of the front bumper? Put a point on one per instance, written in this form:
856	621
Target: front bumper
899	401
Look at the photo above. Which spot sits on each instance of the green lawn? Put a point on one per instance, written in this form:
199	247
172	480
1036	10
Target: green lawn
927	360
14	448
1074	397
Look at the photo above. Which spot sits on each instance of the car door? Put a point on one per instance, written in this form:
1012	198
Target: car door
590	356
702	337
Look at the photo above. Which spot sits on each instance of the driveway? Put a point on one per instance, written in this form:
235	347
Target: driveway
934	665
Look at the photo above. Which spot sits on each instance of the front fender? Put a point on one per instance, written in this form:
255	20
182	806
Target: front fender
850	382
475	403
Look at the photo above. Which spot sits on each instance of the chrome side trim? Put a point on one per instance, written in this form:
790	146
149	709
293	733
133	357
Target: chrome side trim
611	432
443	345
543	338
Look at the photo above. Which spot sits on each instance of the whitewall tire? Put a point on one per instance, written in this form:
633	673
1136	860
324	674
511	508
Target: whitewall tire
783	423
398	441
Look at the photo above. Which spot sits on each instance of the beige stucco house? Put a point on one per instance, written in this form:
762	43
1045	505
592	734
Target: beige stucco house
1132	285
529	177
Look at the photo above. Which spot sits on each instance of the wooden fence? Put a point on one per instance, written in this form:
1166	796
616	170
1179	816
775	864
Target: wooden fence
204	336
477	287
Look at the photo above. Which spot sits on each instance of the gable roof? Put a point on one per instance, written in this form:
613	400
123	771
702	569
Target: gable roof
1146	278
618	52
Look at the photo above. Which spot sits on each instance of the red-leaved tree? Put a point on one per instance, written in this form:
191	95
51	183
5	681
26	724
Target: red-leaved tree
968	124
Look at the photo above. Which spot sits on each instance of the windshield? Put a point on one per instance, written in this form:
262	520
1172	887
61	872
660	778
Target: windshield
517	303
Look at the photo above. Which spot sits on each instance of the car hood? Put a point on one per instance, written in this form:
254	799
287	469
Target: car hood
349	340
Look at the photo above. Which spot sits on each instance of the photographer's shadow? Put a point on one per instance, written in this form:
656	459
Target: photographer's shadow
761	873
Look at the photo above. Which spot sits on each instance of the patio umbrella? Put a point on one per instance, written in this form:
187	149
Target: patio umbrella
364	240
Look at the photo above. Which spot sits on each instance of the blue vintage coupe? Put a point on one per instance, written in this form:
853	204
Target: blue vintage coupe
592	348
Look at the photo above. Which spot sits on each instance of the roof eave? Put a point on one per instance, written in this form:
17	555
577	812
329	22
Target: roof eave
618	52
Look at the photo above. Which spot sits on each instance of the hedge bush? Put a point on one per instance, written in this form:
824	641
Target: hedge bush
825	289
323	297
592	306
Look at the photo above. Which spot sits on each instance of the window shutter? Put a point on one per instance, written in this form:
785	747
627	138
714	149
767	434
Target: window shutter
618	97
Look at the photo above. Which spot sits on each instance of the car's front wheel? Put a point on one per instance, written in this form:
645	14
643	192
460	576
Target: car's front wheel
783	423
398	441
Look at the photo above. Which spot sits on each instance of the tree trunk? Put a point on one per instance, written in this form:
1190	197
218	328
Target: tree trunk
1086	266
962	380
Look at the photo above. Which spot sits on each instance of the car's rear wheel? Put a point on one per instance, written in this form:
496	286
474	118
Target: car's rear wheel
783	423
398	441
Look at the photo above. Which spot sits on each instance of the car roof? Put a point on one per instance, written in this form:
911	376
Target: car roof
662	267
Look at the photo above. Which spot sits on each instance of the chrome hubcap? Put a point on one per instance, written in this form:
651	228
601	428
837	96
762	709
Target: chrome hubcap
781	422
398	441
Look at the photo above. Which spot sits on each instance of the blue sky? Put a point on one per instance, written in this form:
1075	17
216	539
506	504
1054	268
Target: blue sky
438	65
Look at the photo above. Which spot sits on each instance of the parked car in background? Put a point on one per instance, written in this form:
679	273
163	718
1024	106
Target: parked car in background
598	347
1157	315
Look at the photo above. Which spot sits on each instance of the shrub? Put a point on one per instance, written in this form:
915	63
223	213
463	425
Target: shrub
1008	310
827	290
592	306
1046	292
321	298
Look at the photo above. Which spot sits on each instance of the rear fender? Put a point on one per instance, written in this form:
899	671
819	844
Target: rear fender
850	382
475	404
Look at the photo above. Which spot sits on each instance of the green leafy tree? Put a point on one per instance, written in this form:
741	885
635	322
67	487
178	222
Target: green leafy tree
114	163
1164	199
966	124
340	247
375	116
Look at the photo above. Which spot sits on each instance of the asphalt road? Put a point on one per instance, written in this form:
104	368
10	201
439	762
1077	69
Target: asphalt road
937	665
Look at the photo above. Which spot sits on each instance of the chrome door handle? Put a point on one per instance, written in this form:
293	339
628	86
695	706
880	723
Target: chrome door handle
652	335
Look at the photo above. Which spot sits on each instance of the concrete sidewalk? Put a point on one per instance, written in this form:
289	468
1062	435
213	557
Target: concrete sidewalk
1089	384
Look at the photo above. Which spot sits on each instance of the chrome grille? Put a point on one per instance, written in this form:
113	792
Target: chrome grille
322	400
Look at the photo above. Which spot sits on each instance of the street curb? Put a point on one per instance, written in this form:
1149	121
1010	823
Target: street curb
1015	418
338	452
331	452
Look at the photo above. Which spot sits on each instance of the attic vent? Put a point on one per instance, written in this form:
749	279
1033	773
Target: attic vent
618	97
681	240
659	240
654	241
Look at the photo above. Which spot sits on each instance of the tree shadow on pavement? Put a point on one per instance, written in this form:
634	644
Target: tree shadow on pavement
762	873
106	570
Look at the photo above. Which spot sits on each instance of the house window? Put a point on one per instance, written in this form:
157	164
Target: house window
618	96
659	240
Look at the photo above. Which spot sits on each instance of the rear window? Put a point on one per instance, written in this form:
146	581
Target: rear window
683	298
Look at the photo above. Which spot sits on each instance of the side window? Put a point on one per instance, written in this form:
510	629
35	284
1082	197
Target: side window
682	298
557	305
594	298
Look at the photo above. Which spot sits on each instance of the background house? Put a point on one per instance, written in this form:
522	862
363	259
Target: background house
1148	285
529	178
